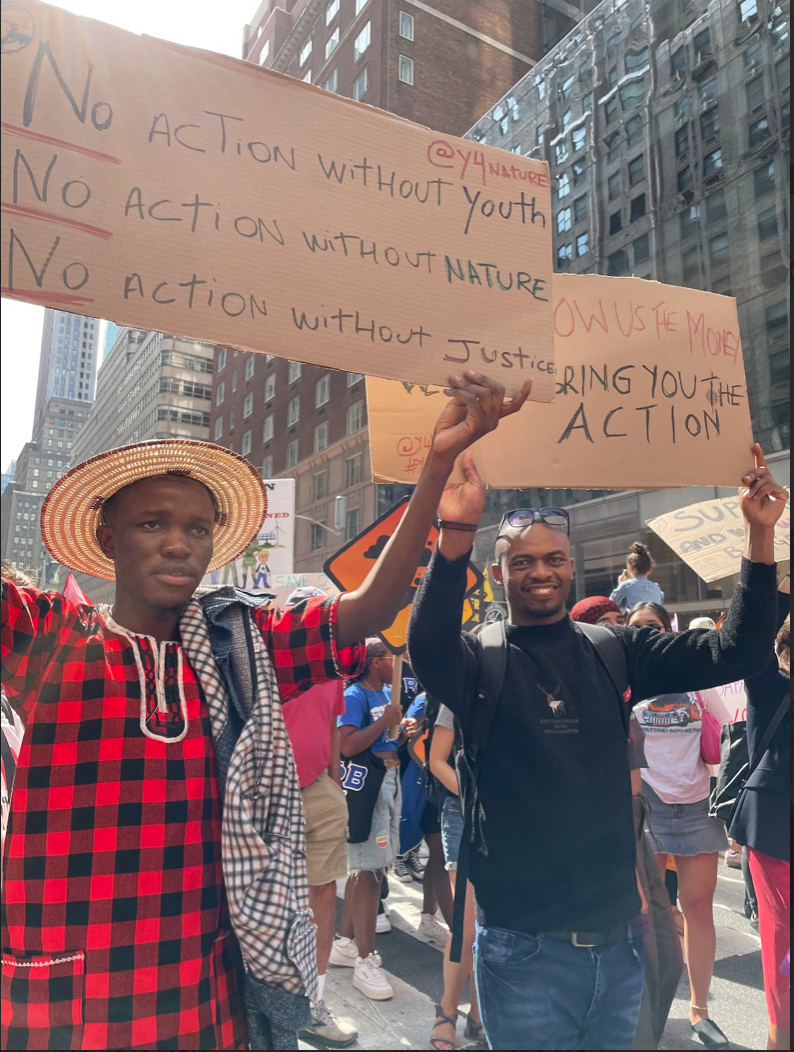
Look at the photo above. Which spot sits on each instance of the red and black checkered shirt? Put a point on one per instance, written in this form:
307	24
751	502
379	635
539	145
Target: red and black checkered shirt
114	917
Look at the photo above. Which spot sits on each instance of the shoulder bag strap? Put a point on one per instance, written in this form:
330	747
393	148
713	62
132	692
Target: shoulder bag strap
609	651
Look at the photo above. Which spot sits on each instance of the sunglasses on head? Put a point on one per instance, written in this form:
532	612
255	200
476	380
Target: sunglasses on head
523	517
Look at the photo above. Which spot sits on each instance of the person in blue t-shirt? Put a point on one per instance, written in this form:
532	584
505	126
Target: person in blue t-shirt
369	715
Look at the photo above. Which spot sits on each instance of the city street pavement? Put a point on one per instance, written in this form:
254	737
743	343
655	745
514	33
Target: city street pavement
737	998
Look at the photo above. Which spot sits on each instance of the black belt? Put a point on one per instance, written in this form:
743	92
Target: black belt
585	940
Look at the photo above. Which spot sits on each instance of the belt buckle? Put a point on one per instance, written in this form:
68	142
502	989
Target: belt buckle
581	945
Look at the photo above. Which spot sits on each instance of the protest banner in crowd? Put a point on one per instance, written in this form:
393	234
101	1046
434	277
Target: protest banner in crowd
709	536
650	393
180	190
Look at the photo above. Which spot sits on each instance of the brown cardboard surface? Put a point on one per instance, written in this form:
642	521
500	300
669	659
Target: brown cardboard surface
709	536
650	393
179	190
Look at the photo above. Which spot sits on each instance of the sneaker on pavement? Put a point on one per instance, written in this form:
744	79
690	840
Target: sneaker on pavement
401	871
326	1031
382	925
343	953
431	930
370	979
414	864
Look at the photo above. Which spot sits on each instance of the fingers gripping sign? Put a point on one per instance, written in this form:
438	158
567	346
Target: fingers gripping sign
475	407
762	499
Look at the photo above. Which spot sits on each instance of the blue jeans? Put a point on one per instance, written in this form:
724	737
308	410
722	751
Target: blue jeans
538	993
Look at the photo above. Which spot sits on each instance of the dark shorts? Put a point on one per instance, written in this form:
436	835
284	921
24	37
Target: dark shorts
431	822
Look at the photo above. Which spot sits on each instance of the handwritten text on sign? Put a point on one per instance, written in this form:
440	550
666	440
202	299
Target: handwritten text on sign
709	536
650	391
180	190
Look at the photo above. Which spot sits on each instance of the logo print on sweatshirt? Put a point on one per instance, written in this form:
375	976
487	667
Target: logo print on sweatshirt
382	839
557	705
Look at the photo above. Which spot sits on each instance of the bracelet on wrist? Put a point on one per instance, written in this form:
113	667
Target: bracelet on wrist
462	527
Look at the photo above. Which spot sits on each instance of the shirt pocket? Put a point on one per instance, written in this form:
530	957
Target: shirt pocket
42	997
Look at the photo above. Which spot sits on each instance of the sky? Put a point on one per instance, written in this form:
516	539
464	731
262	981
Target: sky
195	25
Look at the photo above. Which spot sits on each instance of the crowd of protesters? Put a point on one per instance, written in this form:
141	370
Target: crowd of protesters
186	782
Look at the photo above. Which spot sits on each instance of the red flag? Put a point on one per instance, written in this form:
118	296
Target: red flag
74	592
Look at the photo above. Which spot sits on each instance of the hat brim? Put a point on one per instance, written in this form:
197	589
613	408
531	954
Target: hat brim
72	509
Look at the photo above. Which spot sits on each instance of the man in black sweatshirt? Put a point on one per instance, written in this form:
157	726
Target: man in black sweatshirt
552	856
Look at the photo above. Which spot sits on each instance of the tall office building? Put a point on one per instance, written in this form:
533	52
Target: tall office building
64	395
665	124
440	64
7	476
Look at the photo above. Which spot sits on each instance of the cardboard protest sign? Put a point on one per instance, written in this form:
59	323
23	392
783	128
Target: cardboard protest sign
351	564
650	393
709	536
164	187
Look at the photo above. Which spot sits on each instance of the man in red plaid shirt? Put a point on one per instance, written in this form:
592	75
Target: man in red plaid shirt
115	921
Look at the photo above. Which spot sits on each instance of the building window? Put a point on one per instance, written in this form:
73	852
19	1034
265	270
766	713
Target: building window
636	170
707	89
218	428
684	179
321	438
611	110
234	381
221	359
307	77
561	151
292	454
764	179
701	42
293	411
353	378
294	370
767	223
249	367
642	249
563	185
360	84
612	143
580	208
688	221
360	5
333	81
355	470
617	263
564	256
716	206
406	69
754	92
355	418
712	163
776	316
615	223
567	86
331	11
758	132
406	25
322	391
353	524
579	169
747	8
318	536
362	41
248	405
632	94
583	244
681	139
266	470
779	368
245	445
634	131
614	186
637	209
270	387
320	486
563	220
268	428
567	117
332	43
691	261
578	138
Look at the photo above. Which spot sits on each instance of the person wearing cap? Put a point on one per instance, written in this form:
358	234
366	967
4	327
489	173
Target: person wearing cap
556	962
311	722
155	847
597	610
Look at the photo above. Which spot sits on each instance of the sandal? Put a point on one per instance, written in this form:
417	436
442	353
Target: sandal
444	1044
474	1030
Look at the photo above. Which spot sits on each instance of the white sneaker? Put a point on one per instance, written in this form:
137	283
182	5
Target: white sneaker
432	931
343	953
326	1031
382	925
369	979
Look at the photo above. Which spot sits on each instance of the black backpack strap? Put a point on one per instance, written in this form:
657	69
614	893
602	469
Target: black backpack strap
612	656
769	734
490	680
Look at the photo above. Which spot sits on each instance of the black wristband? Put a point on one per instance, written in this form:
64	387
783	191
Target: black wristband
463	527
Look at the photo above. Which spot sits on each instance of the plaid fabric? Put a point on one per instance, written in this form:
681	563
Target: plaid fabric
113	898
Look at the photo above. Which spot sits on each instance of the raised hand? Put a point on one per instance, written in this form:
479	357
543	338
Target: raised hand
475	407
464	501
761	498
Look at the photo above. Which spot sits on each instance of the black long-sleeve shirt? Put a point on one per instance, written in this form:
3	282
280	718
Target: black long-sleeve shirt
553	845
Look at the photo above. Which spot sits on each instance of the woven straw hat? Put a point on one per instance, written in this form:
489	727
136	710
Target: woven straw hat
73	507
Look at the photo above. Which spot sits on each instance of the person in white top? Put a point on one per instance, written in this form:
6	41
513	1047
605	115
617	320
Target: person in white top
676	784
